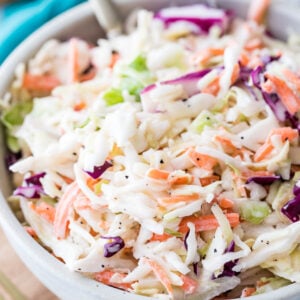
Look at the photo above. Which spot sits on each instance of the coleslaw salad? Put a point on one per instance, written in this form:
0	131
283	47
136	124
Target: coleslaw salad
168	169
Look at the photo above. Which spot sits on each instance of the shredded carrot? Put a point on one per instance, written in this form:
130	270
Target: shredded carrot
45	210
106	275
73	61
63	209
42	83
208	180
79	106
91	182
235	73
254	44
213	87
258	10
160	237
289	99
263	151
248	291
82	202
161	274
114	58
68	180
240	184
268	86
189	285
158	174
228	146
292	78
178	198
201	160
244	59
226	203
182	179
204	56
205	223
286	133
250	173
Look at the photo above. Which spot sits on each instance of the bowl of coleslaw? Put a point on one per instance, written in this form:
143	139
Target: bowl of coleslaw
158	164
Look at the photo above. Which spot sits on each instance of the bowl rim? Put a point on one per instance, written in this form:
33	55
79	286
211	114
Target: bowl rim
13	228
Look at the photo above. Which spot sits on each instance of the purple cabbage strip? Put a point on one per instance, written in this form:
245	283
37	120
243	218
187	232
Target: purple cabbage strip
29	192
12	158
296	190
263	180
184	240
195	268
292	208
99	170
203	22
273	100
33	188
189	82
113	247
227	269
35	179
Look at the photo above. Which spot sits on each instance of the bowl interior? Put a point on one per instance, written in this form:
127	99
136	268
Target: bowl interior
80	22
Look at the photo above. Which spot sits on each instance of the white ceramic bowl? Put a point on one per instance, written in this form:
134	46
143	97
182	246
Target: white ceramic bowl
81	23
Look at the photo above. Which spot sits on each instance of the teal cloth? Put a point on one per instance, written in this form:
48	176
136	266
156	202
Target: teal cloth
20	18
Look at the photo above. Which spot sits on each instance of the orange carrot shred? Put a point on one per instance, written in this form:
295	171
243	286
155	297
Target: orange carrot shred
45	210
63	209
106	275
248	291
189	285
226	203
73	61
161	274
289	99
160	237
178	198
201	160
42	83
158	174
208	180
208	222
258	10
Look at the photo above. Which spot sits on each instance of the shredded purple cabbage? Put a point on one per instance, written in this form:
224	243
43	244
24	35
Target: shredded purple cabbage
292	208
113	247
202	21
296	190
29	192
195	268
185	240
188	81
35	179
12	158
33	188
263	180
272	100
99	170
228	267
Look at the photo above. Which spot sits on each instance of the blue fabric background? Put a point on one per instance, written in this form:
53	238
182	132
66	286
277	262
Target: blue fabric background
20	18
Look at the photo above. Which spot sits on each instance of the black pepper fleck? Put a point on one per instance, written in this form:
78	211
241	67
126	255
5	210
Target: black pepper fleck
161	161
126	176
